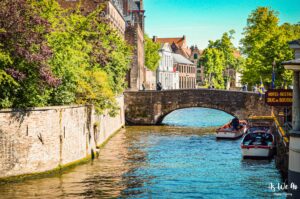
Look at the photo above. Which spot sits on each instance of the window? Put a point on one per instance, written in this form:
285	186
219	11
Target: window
195	56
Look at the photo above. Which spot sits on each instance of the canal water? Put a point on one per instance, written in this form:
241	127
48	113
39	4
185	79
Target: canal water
179	160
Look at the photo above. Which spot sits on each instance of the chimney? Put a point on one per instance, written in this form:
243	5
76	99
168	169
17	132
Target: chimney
154	39
141	5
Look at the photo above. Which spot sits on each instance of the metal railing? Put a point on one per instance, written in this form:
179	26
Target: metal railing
283	131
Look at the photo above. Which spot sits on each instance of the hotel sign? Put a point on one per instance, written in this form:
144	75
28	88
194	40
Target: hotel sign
279	97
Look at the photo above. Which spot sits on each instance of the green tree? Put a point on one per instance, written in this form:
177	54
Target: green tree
213	60
151	54
218	57
263	43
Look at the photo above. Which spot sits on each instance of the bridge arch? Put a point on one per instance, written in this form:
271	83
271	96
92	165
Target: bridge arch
162	117
150	107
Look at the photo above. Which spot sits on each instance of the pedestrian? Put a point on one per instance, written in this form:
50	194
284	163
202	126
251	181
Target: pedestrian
158	86
244	88
143	86
255	88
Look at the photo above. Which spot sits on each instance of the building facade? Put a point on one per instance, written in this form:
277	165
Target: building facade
196	59
187	71
134	35
185	59
112	12
150	79
167	75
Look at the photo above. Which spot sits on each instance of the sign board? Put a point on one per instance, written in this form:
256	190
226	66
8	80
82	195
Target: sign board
279	97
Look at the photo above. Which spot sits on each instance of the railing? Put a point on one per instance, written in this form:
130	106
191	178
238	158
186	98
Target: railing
282	132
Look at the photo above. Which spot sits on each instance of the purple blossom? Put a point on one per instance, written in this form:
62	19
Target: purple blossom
19	76
48	77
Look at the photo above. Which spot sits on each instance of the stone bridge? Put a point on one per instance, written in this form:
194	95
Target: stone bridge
150	107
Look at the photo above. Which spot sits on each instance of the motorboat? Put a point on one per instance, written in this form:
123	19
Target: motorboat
259	142
229	132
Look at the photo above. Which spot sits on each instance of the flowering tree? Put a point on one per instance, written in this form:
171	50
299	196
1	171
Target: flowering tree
51	56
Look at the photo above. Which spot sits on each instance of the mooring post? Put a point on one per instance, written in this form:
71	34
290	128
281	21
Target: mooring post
294	147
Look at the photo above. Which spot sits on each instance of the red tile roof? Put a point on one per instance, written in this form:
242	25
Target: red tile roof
180	43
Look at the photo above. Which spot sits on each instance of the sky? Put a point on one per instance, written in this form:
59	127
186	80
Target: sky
204	20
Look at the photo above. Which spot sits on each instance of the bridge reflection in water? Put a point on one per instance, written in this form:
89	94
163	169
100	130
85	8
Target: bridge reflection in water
161	162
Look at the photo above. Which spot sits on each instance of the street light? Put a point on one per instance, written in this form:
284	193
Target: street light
273	74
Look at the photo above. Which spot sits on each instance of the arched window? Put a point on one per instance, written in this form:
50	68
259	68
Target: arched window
195	56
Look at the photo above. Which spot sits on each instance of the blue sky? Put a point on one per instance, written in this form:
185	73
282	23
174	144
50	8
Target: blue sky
203	20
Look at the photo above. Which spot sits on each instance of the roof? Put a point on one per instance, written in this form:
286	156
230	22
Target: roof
178	41
177	58
165	47
180	44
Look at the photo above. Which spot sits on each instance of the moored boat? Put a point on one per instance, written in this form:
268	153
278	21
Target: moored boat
229	131
259	141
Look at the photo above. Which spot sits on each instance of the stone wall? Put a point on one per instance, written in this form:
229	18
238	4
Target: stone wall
150	107
42	139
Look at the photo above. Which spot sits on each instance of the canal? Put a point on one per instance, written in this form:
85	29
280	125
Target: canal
181	159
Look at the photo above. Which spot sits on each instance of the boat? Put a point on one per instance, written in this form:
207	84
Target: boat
229	132
259	141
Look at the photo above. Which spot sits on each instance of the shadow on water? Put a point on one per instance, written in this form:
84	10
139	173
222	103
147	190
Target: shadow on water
256	162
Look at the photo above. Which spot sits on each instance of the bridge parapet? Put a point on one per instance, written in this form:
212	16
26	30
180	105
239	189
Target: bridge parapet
150	107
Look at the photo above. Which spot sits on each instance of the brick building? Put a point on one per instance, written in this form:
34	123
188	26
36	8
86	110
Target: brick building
187	71
195	58
134	34
113	11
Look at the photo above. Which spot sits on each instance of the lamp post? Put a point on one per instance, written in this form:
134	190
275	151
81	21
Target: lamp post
294	147
273	74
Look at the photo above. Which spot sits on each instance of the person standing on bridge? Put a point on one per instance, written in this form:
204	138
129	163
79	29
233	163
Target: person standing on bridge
158	86
143	86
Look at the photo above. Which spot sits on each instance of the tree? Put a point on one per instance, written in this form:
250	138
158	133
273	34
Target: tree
51	56
23	42
213	60
151	54
218	57
265	42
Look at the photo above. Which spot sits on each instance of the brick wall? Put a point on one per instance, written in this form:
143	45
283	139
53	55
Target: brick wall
42	139
136	75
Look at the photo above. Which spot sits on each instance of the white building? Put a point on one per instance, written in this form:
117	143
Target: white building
150	79
166	74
